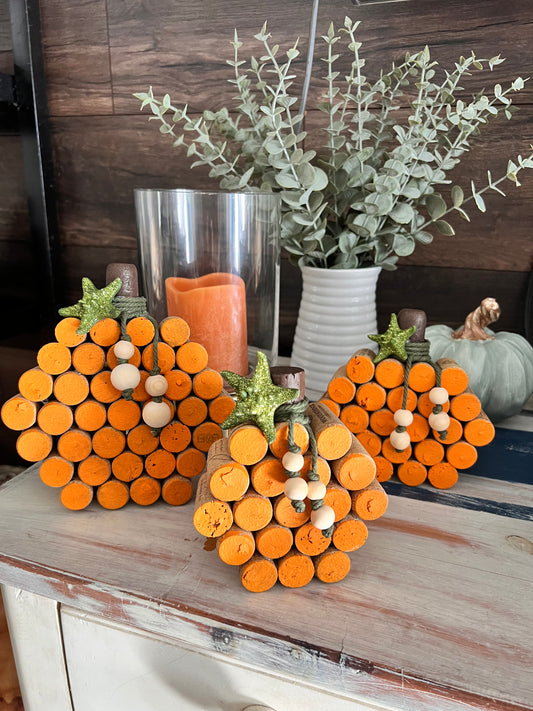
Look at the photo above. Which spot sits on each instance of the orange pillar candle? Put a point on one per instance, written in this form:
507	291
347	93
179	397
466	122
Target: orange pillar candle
214	306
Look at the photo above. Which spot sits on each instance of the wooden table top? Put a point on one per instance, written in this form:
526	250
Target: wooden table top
437	609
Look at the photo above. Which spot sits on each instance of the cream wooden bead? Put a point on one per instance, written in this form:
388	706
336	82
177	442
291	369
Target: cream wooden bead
125	376
292	461
403	417
124	349
295	489
316	490
439	421
156	414
323	518
156	385
400	440
438	396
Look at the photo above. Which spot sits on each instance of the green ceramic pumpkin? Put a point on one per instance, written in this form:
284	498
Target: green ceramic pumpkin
499	365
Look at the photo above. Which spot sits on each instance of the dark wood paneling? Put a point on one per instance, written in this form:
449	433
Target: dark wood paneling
6	57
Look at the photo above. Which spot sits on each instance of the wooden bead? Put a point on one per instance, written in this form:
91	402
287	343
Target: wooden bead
438	396
323	518
295	489
316	490
439	421
403	417
124	350
400	440
292	461
156	414
156	385
125	376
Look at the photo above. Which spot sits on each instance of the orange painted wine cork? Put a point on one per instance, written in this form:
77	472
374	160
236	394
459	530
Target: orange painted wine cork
192	411
113	494
429	452
274	541
333	406
339	499
175	437
393	455
160	464
309	540
268	477
341	389
228	479
90	415
35	385
453	378
71	388
176	490
333	438
54	358
382	422
252	512
466	406
412	473
247	444
192	357
285	514
76	495
145	490
479	431
355	418
54	418
384	468
395	399
166	357
88	358
360	368
102	389
127	466
205	435
207	384
295	570
258	574
453	433
370	441
425	406
419	428
123	414
56	471
18	414
108	442
105	332
65	332
461	455
349	534
370	503
332	566
236	546
74	445
356	469
280	446
371	396
442	475
212	517
190	462
175	331
141	331
220	408
390	373
94	470
139	393
112	360
421	377
141	440
322	469
179	384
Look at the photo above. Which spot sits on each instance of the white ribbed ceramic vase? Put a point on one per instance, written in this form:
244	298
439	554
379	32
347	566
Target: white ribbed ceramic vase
337	312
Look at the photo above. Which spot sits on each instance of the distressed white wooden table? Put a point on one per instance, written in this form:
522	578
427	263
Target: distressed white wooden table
125	610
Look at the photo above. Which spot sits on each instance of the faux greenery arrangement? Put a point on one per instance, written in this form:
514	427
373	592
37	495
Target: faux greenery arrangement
371	191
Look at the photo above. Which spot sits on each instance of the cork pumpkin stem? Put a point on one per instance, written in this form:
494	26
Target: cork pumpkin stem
413	317
476	322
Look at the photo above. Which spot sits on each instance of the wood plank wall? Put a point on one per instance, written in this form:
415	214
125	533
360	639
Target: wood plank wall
98	52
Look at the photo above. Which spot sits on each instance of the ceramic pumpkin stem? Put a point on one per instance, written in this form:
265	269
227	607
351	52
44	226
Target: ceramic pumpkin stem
475	323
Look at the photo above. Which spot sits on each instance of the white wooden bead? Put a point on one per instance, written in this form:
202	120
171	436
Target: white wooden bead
439	421
317	490
292	461
124	349
125	376
400	440
156	414
403	417
323	518
156	385
295	489
438	396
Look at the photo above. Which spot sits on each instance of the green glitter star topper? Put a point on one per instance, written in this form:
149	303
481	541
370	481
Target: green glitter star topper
257	398
94	305
392	342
